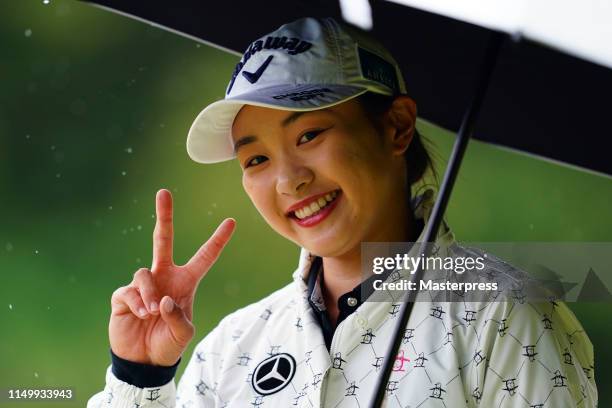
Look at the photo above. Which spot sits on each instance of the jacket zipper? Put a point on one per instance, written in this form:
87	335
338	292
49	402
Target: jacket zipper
332	352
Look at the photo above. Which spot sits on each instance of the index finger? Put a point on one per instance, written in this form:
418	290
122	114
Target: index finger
163	233
208	253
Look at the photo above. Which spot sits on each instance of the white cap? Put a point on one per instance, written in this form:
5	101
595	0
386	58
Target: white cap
305	65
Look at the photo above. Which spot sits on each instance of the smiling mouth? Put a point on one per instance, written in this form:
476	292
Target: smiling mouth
314	208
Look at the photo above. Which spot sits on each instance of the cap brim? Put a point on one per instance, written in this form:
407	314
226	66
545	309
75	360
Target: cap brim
210	140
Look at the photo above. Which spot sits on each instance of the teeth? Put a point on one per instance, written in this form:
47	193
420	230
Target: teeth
315	206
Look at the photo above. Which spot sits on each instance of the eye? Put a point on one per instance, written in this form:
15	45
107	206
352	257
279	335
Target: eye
255	161
308	136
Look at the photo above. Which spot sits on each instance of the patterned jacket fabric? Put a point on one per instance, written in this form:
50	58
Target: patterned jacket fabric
507	354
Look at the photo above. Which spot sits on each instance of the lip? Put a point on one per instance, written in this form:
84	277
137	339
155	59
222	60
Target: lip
306	201
321	215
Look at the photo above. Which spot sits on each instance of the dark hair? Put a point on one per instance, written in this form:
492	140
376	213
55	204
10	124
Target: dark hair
418	157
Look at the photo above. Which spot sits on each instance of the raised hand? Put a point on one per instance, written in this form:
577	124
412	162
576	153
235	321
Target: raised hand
151	317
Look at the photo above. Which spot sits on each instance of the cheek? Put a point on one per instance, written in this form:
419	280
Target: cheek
362	175
353	166
261	191
256	189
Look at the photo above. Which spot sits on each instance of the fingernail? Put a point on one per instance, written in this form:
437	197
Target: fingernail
154	307
169	306
142	312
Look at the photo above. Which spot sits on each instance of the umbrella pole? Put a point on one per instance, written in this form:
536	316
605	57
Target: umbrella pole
465	131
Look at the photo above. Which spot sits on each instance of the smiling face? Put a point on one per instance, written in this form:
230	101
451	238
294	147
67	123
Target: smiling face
326	179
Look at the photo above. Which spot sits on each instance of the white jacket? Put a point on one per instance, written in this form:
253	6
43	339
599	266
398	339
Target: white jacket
484	354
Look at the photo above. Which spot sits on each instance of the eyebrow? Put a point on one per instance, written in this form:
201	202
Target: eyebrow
286	122
243	141
292	118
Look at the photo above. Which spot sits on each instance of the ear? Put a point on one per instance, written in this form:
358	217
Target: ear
401	119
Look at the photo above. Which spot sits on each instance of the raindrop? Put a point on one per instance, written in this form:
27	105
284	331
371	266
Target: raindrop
214	205
161	125
28	32
209	212
123	173
129	150
52	147
46	1
139	227
27	136
152	215
110	207
8	247
197	45
138	260
10	306
135	201
36	251
131	229
124	231
48	307
36	374
531	226
58	175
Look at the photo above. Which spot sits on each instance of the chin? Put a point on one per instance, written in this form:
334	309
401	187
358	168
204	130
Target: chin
327	248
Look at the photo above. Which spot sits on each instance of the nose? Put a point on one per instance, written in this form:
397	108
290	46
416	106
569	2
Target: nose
293	176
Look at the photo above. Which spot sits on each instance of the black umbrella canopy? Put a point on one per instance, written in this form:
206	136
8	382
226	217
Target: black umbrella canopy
540	101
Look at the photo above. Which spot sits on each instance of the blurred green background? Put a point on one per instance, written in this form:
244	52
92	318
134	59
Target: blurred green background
94	112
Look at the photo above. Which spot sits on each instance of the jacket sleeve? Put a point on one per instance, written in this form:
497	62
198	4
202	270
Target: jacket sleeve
538	356
196	385
120	394
199	384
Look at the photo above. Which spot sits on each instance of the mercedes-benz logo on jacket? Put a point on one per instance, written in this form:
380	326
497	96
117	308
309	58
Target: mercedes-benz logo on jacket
273	374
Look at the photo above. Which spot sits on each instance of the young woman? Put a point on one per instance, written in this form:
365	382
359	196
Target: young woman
317	116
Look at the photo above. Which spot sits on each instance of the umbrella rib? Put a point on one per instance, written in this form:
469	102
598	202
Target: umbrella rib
166	28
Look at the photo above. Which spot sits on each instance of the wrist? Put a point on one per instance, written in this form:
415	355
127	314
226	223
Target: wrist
142	375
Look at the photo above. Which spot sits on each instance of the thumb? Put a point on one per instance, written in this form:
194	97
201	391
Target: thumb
180	326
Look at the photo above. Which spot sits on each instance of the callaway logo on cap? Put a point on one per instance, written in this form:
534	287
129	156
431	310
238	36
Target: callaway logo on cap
305	65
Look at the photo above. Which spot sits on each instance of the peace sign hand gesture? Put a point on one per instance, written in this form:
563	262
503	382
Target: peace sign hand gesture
151	317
